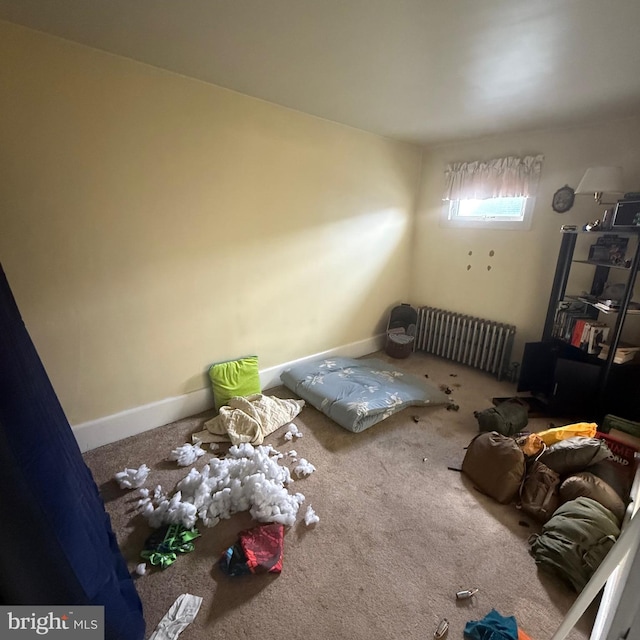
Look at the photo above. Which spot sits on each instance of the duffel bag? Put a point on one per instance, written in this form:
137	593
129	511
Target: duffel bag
495	465
574	454
508	417
539	494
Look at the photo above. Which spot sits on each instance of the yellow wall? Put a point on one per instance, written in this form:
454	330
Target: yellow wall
152	224
517	287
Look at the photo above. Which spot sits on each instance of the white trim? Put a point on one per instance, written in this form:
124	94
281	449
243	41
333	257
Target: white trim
488	223
619	601
96	433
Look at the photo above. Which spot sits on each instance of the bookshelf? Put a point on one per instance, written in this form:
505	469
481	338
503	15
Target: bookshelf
566	369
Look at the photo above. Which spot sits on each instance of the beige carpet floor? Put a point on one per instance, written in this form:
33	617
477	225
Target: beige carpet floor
399	532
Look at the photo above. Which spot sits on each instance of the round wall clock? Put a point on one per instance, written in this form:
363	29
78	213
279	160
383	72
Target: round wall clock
563	199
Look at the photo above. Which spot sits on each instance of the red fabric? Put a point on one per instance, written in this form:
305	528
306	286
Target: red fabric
522	635
263	547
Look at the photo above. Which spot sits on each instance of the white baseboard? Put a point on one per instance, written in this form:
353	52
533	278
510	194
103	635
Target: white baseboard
271	377
96	433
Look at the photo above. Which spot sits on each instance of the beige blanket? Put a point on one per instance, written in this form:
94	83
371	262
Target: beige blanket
249	419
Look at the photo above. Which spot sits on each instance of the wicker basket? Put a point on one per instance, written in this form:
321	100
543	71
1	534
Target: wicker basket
401	331
399	345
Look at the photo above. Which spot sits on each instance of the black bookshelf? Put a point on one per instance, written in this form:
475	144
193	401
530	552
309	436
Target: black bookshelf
564	377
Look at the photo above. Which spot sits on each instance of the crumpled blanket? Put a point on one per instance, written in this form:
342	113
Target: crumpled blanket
249	419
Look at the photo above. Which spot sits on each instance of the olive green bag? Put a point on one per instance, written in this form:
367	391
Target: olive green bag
507	418
575	540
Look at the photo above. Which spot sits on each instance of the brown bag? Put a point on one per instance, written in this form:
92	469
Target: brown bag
590	486
539	493
495	464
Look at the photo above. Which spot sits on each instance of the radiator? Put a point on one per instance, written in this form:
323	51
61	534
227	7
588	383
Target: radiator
482	344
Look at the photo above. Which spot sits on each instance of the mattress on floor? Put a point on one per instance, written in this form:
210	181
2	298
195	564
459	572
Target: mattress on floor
358	393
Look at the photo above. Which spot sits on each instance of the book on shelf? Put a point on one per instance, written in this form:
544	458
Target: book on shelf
567	314
578	330
609	306
624	353
594	335
566	325
581	331
598	333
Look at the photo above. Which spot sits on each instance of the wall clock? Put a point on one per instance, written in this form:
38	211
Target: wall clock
563	199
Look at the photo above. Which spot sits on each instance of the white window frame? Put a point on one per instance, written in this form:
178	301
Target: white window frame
449	218
487	180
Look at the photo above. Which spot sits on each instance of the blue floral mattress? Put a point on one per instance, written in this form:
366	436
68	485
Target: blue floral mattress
358	393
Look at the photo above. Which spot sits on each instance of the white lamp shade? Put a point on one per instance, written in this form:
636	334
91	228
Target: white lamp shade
601	180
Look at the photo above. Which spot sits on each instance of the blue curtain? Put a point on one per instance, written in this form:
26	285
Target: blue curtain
57	546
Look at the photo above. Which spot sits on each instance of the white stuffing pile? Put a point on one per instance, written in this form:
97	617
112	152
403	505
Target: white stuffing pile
247	479
292	432
310	517
304	468
132	478
186	454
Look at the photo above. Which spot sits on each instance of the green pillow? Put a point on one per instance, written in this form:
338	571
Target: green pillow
234	378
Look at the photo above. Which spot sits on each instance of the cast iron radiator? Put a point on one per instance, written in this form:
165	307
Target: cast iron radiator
483	344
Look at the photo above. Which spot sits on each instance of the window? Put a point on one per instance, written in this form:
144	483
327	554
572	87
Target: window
493	212
497	194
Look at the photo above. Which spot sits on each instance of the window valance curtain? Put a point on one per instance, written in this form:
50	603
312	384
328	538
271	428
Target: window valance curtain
509	177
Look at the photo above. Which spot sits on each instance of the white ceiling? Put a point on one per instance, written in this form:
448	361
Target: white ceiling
424	71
